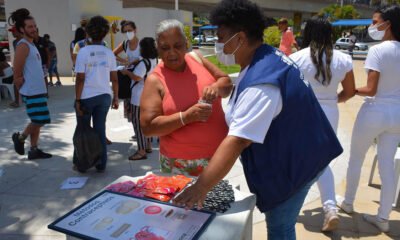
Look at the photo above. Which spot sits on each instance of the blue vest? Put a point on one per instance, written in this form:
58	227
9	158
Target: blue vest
300	142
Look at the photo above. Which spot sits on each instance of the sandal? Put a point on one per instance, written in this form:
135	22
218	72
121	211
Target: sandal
14	105
137	156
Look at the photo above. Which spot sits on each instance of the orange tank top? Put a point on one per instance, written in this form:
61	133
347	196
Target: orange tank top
181	91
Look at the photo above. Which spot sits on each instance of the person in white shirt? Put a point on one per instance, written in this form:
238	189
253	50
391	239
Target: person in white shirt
95	66
142	69
326	68
379	116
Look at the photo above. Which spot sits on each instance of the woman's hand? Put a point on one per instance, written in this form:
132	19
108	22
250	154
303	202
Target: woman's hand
78	109
194	194
115	103
210	93
197	113
124	72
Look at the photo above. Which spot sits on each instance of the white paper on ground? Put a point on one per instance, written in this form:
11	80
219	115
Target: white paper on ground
74	182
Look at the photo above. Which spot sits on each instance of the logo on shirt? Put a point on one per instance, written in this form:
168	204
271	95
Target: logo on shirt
290	62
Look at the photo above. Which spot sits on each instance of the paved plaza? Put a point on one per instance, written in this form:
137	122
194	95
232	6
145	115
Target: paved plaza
31	198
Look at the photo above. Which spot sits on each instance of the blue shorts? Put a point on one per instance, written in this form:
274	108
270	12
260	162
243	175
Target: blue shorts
53	67
36	108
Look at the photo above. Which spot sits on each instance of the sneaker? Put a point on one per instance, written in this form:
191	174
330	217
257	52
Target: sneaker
58	84
378	222
347	208
331	221
50	84
18	145
38	154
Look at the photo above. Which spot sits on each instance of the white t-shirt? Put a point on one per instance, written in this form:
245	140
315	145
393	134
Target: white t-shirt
96	62
251	116
140	71
134	54
385	58
341	64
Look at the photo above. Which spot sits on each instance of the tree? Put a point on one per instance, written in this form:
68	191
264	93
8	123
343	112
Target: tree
334	12
272	36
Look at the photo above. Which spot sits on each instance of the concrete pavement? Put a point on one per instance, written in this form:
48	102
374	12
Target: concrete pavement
31	198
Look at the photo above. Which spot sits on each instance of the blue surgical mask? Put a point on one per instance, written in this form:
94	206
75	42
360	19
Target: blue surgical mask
226	59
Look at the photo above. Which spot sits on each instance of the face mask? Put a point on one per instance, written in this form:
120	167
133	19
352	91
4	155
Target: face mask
226	59
130	35
375	34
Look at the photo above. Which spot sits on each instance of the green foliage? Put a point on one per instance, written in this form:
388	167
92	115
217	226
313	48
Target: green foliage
335	12
224	68
272	36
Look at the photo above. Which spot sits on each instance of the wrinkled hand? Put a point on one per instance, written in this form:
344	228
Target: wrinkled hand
210	93
196	113
115	103
194	194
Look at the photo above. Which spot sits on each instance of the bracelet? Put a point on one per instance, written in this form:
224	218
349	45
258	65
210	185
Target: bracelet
180	115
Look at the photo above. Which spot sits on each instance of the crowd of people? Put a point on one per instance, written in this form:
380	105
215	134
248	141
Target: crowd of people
281	119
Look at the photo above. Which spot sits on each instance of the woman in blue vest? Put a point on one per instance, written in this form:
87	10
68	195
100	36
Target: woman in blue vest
275	123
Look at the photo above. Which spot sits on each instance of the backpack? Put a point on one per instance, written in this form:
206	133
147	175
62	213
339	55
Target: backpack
124	82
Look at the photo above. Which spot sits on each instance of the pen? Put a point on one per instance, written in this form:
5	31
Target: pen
169	213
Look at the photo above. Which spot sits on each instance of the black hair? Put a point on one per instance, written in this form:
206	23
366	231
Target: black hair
2	57
391	13
148	48
97	28
18	18
80	34
46	36
240	15
125	23
318	36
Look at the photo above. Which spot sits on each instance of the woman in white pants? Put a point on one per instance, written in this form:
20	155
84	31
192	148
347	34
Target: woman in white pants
379	116
325	68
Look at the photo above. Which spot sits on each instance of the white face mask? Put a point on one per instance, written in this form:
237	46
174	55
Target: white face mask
375	34
226	59
130	35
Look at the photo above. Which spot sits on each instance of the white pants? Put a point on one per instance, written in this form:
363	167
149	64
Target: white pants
326	182
375	120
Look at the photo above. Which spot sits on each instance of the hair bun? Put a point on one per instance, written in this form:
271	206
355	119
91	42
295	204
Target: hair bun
20	14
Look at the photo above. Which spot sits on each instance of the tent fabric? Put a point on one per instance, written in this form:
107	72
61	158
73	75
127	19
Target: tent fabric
208	27
352	22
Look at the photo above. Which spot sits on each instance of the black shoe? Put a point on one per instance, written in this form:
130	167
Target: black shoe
100	169
18	145
38	154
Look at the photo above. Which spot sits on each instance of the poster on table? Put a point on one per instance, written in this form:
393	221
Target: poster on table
115	216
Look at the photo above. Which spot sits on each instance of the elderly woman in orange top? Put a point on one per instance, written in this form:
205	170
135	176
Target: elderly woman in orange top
181	103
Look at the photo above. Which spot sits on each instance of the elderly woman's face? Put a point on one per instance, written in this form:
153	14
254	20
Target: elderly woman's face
172	48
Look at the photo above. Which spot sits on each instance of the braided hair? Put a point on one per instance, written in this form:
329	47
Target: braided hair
318	36
18	17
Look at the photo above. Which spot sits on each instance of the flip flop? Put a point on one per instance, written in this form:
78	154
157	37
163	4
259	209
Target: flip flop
137	156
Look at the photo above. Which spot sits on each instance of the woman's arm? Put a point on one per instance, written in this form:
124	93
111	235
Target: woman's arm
79	83
114	84
152	118
21	54
117	51
217	168
131	75
223	85
349	87
372	85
